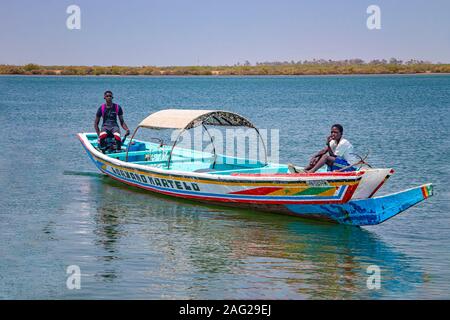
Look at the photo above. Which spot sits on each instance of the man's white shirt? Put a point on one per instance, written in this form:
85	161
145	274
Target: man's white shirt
344	150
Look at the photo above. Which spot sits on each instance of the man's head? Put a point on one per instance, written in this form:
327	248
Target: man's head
336	132
108	95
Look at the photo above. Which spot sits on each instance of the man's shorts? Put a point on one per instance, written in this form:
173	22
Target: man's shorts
340	163
113	129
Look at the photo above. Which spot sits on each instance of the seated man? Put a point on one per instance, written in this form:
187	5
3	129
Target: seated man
109	112
338	154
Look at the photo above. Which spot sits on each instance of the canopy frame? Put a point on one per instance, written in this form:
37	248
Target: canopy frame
202	117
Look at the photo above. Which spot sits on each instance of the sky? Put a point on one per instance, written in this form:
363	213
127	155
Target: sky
210	32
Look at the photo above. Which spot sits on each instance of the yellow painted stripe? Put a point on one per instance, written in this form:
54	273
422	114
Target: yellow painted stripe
292	191
347	183
330	192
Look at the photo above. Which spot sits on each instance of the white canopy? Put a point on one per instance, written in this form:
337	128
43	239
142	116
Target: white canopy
187	119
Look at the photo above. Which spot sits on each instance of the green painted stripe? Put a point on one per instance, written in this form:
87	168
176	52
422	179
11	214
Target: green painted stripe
313	191
430	190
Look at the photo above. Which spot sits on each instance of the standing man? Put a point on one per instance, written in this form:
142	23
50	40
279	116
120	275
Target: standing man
109	111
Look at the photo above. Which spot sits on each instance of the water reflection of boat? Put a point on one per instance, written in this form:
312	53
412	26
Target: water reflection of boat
200	246
343	197
323	261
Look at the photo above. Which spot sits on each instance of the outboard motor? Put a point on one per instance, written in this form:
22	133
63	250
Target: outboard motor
110	144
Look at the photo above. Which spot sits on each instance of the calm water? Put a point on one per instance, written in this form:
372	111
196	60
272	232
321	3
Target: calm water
56	210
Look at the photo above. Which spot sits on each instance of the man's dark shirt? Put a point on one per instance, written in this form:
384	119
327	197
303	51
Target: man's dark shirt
110	118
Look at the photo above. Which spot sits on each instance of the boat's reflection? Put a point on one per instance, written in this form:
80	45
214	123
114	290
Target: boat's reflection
310	259
109	228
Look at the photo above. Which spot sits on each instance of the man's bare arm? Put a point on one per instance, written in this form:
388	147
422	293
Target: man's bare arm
330	152
123	124
96	122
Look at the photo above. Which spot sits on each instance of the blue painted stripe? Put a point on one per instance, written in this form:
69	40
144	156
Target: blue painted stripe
363	211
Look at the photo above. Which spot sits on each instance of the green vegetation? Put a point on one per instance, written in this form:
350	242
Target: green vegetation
314	67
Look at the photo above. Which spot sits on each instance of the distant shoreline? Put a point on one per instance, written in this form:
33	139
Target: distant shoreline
305	69
225	76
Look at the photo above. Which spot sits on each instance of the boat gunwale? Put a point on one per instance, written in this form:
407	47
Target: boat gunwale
296	178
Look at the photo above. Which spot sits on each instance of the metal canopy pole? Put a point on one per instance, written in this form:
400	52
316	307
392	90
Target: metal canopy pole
264	145
173	146
214	147
129	143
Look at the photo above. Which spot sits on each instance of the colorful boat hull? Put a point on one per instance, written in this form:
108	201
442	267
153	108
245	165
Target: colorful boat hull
328	196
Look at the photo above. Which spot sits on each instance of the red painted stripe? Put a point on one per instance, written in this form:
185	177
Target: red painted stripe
379	186
424	192
349	193
258	191
303	174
